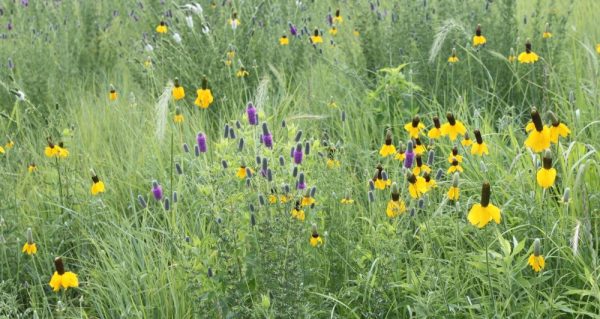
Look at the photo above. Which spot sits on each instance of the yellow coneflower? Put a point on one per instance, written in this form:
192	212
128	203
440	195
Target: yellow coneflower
420	149
228	62
242	172
511	56
478	39
417	186
536	260
454	191
284	198
420	167
479	147
205	97
31	167
453	58
528	56
284	40
61	278
484	212
29	248
546	175
178	92
454	156
357	34
178	117
436	131
547	34
558	129
307	200
10	144
333	31
333	163
162	27
395	206
347	200
297	212
337	19
97	185
453	128
400	156
466	142
234	22
315	238
387	148
53	150
2	151
455	167
112	94
316	37
230	54
242	73
429	181
598	48
414	127
539	134
379	181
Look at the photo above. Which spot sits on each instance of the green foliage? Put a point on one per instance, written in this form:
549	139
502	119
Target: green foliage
222	249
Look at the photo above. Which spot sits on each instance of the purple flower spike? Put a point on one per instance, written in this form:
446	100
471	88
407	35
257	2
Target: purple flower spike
298	154
267	138
409	155
157	190
252	114
301	184
293	30
201	139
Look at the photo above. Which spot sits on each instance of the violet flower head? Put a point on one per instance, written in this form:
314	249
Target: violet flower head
293	29
201	140
409	155
298	154
252	114
157	190
25	3
267	138
301	185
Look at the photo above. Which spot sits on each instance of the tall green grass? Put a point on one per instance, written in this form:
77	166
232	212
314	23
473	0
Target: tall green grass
217	252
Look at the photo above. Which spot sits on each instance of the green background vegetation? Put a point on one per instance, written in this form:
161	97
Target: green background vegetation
152	263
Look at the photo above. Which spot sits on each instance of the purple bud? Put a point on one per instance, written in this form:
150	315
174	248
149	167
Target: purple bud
196	150
167	204
142	201
157	190
409	155
293	30
10	25
178	168
252	114
186	148
298	154
25	2
201	140
268	140
301	183
329	19
10	64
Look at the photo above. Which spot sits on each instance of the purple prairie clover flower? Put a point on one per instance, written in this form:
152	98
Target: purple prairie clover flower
409	155
298	154
329	19
267	138
252	114
293	29
157	190
201	140
301	185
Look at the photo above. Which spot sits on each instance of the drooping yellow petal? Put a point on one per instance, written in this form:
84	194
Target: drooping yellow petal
546	177
395	208
481	216
97	188
537	263
560	130
387	150
538	141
